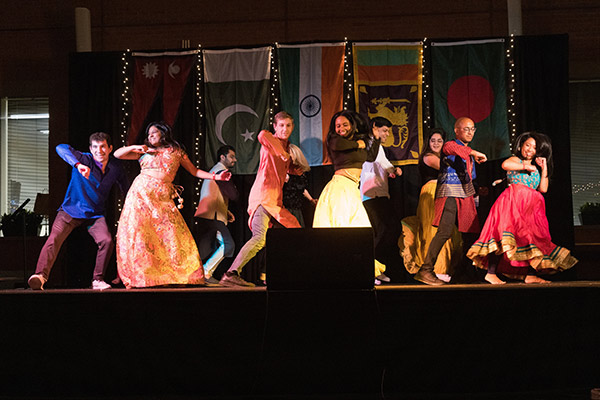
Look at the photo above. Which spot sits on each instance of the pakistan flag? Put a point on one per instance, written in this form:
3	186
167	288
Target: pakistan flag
237	103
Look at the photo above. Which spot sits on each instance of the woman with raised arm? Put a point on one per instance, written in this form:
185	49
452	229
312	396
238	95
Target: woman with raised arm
154	245
340	203
515	239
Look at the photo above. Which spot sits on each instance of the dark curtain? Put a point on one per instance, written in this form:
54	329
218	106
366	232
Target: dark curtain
94	106
542	99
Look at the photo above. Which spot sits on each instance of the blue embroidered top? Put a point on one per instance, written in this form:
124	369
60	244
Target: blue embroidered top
523	177
454	179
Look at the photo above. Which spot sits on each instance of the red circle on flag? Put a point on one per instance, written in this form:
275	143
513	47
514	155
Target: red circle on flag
471	96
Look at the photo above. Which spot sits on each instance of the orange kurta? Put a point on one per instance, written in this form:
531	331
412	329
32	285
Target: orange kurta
267	190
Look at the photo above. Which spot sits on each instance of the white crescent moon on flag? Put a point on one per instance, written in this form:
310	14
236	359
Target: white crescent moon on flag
226	113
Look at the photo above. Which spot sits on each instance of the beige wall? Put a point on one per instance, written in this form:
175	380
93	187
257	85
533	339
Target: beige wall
37	36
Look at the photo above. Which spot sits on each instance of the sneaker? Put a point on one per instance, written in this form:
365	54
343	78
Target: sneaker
383	278
212	281
100	285
36	282
234	280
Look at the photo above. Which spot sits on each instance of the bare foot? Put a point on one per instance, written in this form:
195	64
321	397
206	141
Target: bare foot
493	279
535	279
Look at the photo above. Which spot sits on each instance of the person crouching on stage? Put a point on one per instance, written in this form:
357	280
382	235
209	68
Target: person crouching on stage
92	178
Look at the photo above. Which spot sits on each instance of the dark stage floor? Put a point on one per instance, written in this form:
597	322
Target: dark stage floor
474	341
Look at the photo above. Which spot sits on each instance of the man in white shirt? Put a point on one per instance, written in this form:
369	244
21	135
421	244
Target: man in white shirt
213	215
376	200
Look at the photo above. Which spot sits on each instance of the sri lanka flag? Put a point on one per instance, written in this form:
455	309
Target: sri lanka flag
312	79
388	83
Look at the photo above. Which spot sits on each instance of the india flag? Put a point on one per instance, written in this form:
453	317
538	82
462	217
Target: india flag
312	78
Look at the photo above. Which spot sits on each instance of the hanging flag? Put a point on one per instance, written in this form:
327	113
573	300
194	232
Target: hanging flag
237	103
158	75
312	89
469	80
387	83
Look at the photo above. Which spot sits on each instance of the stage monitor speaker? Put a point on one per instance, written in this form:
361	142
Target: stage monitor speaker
320	259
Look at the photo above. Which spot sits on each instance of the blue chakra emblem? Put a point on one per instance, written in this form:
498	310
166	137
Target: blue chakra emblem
310	106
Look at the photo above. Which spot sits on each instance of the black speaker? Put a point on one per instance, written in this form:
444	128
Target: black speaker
320	259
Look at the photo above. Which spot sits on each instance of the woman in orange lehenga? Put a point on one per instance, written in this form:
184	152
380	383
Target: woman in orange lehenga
154	245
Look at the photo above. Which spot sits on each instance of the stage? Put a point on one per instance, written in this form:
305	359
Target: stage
395	341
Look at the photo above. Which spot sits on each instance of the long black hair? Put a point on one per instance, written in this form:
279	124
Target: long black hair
166	139
427	148
543	148
350	116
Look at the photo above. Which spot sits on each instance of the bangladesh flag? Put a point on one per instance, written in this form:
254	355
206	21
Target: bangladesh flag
237	103
312	79
387	83
469	81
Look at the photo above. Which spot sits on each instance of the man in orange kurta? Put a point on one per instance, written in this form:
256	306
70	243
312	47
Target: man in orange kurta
266	196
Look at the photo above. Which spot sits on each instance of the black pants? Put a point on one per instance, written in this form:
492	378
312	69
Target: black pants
444	232
386	231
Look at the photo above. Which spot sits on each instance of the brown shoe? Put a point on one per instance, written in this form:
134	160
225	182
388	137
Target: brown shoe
36	281
428	278
234	280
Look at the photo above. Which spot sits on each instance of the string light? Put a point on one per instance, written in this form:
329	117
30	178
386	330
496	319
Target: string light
586	187
199	100
512	115
348	78
274	84
424	85
125	106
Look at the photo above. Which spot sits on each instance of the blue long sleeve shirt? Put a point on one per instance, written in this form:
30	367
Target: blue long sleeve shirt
86	198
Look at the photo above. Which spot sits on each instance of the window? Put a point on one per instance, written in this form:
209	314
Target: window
584	104
23	152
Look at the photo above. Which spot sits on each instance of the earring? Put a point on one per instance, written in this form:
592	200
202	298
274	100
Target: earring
178	190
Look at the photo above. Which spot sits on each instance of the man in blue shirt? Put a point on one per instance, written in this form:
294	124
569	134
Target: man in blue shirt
92	178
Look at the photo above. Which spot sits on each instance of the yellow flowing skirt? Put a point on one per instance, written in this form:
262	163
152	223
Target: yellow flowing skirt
340	205
154	244
418	233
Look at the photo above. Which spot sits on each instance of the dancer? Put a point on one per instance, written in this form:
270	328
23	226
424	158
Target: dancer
92	178
376	200
154	245
418	230
212	216
349	144
265	203
516	237
340	204
295	189
453	197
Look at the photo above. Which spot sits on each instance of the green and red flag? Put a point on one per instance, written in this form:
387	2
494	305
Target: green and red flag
388	83
469	80
312	87
237	103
